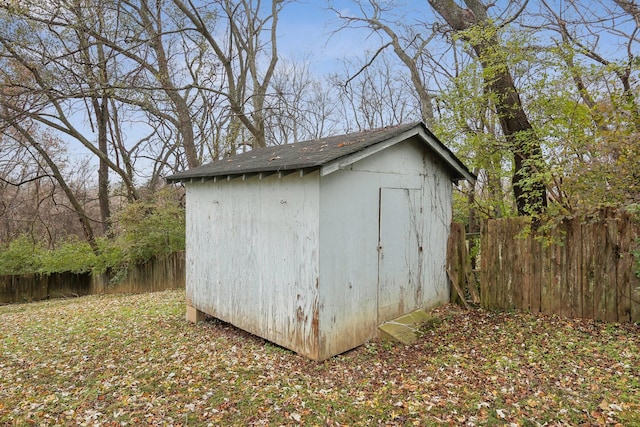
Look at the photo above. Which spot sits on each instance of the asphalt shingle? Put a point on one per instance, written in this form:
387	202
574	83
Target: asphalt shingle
310	154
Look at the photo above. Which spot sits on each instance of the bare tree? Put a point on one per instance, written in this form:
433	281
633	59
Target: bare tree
31	161
409	47
93	61
50	81
151	25
378	95
239	53
300	107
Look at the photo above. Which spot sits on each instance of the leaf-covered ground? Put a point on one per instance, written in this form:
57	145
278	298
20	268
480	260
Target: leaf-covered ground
134	360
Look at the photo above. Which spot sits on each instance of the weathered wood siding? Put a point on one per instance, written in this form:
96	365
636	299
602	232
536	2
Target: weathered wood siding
252	256
349	253
299	260
586	271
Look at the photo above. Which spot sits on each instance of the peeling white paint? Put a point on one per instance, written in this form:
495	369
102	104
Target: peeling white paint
296	258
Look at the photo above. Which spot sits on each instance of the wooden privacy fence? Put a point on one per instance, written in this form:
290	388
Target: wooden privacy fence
580	268
463	281
160	273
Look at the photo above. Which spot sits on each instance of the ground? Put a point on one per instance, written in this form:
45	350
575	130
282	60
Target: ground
134	360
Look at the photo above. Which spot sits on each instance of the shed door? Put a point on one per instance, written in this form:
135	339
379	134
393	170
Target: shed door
399	252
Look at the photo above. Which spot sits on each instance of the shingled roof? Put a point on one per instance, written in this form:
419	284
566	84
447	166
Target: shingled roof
315	154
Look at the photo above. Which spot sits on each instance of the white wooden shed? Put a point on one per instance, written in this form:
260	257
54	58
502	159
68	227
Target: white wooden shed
313	245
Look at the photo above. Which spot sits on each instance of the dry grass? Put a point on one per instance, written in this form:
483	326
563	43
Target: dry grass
134	360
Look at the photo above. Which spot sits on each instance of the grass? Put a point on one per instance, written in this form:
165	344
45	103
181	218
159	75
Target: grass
133	360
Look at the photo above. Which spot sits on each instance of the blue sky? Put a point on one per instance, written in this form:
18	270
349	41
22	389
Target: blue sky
306	25
307	31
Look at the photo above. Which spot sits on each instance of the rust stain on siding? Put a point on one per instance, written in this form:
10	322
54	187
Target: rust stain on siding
304	331
300	316
315	320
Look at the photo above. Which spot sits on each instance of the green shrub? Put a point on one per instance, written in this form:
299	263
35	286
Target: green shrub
110	257
150	228
21	256
73	255
143	230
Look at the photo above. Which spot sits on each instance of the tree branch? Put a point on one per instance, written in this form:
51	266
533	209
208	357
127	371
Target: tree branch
368	64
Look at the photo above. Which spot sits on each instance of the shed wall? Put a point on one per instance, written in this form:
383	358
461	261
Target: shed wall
252	256
349	231
296	260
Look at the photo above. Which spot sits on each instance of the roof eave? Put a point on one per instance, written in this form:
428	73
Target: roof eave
229	175
457	169
349	159
456	166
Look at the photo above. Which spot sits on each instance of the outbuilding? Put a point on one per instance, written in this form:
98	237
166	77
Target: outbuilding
312	245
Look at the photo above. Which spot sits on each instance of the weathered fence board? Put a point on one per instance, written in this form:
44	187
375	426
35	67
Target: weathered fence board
167	272
459	268
574	282
581	268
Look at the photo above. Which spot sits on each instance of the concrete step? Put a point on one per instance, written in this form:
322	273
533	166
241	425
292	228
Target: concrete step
406	328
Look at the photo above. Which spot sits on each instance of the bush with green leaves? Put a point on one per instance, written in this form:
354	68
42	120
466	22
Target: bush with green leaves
73	256
142	230
21	256
147	229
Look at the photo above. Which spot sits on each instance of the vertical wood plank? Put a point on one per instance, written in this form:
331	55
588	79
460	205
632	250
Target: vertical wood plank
555	278
472	283
507	265
624	266
498	288
515	295
634	280
486	258
574	255
561	237
463	260
497	266
452	258
598	269
536	274
563	300
545	277
588	273
610	269
457	261
522	273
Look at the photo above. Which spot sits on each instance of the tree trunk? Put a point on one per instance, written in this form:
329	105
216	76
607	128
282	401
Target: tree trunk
55	171
184	121
528	186
102	113
97	76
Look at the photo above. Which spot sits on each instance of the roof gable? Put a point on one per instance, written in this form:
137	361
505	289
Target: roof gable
330	154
